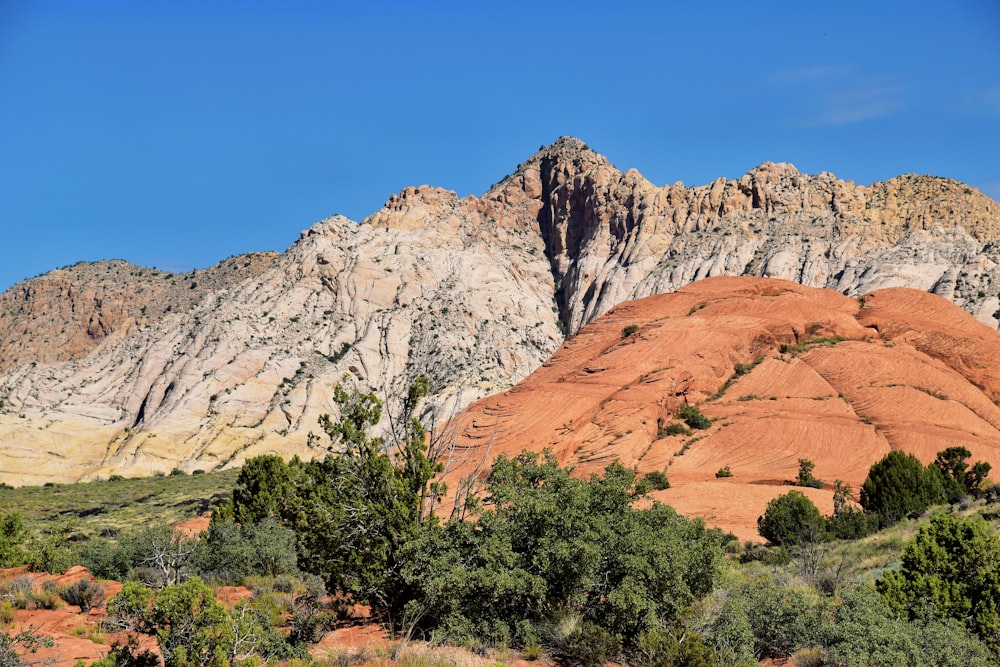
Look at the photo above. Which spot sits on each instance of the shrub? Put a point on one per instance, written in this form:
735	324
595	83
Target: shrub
589	645
630	330
950	569
673	428
723	472
782	619
533	652
792	519
666	647
693	417
959	479
13	534
85	594
805	476
852	523
899	485
655	481
13	646
551	546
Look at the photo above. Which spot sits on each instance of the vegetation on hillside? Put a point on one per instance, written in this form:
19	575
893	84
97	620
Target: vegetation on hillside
585	570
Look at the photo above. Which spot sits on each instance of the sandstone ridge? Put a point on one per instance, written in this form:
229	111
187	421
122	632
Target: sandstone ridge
108	367
783	371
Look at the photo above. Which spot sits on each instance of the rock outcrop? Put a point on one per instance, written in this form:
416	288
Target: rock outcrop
108	367
783	371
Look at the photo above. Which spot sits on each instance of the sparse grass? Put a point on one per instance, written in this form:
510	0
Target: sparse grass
808	343
110	506
929	392
94	634
739	370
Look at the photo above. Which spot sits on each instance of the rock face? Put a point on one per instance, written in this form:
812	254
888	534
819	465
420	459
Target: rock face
783	371
612	236
108	367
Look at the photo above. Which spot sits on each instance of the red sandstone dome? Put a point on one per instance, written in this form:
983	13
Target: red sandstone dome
784	371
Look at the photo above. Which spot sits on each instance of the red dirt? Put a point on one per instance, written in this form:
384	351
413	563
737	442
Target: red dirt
914	372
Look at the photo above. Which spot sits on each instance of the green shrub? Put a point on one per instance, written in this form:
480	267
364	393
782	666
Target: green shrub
673	428
792	519
693	417
13	535
805	476
546	544
655	481
899	485
533	652
959	478
951	569
667	647
852	523
630	330
589	645
782	619
723	472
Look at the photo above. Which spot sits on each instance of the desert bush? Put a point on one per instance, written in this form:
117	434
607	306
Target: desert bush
693	417
670	646
723	472
959	479
852	523
782	619
50	552
951	569
673	428
589	645
550	545
14	646
792	519
899	485
630	330
194	630
17	591
805	476
229	552
85	594
13	535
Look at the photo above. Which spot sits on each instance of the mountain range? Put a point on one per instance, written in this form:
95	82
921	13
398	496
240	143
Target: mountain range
109	368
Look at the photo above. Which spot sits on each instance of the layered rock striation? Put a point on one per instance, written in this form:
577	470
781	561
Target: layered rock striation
782	371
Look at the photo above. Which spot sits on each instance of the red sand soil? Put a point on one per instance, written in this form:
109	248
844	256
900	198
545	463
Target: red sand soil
914	372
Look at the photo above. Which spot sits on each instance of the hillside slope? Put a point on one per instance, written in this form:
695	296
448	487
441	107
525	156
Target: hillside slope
784	372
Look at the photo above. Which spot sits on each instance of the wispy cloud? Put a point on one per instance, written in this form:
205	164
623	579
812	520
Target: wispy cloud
840	94
857	106
811	74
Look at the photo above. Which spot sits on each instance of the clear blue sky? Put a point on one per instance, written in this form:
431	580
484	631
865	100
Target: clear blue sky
176	133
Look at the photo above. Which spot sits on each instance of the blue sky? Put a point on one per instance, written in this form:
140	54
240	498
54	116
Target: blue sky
174	134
